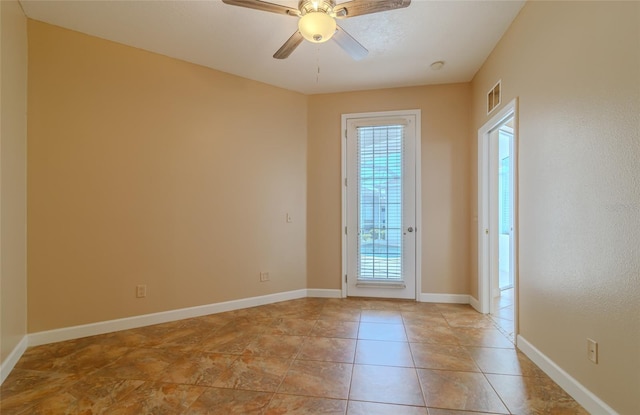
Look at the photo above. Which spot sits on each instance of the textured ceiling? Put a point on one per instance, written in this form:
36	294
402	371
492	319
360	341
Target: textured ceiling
402	43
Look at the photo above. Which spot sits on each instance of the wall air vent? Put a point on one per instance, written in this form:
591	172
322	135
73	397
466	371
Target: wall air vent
494	97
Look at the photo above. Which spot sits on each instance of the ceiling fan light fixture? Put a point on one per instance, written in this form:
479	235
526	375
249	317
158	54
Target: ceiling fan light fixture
317	27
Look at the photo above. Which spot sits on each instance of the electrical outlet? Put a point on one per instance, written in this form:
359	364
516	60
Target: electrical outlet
592	350
141	291
264	277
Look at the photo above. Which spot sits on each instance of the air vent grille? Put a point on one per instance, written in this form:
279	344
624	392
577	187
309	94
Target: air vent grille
494	97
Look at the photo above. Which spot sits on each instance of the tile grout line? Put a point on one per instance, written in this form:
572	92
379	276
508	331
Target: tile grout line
496	392
415	368
353	365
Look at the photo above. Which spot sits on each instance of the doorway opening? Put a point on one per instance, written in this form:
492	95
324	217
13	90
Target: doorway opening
497	213
380	187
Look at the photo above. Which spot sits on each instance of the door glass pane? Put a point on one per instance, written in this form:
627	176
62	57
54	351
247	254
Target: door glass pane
505	186
380	155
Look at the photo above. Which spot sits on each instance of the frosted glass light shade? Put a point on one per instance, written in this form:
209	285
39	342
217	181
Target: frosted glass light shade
317	27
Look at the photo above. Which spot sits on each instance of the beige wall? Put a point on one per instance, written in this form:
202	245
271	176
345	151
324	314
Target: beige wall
575	67
149	170
445	181
13	197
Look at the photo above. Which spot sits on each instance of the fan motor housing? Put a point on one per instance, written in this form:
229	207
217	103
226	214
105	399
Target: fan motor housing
311	6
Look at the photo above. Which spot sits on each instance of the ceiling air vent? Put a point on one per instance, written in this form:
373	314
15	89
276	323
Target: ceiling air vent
494	97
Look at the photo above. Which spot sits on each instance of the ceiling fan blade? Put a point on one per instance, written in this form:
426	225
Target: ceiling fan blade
264	6
360	7
349	44
289	46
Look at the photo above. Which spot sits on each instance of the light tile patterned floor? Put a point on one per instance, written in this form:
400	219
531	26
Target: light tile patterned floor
503	316
307	356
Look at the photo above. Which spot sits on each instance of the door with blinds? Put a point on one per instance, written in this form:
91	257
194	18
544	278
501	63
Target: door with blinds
380	210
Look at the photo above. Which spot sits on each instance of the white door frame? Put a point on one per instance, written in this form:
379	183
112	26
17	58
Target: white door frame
418	193
485	238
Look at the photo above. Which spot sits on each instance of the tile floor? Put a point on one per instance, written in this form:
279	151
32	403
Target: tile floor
503	317
307	356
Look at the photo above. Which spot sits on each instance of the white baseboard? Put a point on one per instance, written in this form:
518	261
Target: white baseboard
582	395
444	298
475	303
76	332
10	362
323	293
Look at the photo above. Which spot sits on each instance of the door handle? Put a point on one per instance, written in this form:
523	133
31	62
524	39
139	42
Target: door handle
410	229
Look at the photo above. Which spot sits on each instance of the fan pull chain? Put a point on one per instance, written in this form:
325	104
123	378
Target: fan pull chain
318	65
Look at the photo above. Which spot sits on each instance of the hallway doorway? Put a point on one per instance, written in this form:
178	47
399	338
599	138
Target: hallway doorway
497	213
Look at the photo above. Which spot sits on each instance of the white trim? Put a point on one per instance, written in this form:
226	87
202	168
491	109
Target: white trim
381	284
10	362
483	222
418	215
343	208
444	298
323	293
474	303
581	394
75	332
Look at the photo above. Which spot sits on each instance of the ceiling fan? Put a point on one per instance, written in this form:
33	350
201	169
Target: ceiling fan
317	21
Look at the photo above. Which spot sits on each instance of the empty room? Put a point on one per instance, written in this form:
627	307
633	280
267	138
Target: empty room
408	207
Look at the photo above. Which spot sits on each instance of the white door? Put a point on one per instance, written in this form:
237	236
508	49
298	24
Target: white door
380	210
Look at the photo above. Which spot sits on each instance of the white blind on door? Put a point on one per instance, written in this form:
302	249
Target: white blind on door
380	171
